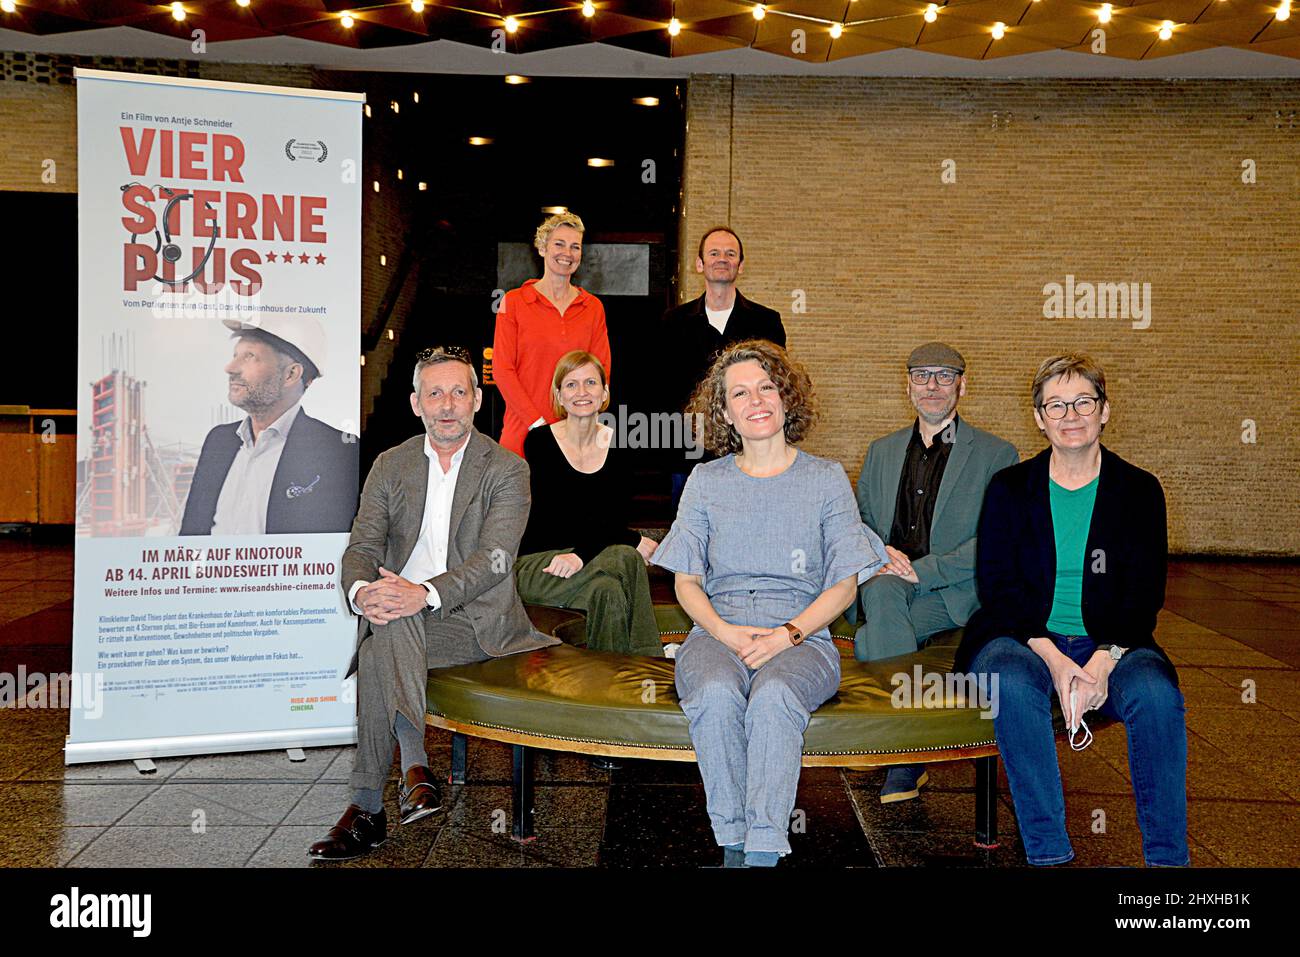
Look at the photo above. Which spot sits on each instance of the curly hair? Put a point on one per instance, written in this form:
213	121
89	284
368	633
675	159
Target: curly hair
551	224
709	401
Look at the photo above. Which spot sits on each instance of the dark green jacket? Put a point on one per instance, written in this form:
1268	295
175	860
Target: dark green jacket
950	567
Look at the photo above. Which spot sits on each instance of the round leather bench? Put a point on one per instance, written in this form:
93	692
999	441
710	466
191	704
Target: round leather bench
565	698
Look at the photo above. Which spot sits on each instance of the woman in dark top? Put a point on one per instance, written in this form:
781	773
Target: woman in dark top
578	551
1070	566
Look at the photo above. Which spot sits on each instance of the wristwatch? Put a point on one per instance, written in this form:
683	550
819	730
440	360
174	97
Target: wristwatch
796	636
1115	651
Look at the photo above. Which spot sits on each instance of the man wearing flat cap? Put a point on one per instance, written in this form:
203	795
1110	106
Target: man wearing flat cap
921	490
277	471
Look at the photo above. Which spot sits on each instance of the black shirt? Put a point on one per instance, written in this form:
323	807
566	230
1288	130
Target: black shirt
578	511
694	342
918	487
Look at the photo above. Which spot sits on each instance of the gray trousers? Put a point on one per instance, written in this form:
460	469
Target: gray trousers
392	677
747	729
897	618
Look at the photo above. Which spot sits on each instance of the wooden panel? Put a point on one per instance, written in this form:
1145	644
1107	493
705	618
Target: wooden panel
57	480
17	477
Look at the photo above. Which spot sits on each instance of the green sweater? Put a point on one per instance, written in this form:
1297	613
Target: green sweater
1071	520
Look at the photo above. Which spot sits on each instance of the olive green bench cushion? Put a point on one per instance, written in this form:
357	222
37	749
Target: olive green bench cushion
571	694
674	625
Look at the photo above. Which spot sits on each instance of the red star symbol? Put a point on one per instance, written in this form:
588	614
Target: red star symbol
304	258
320	260
270	257
287	257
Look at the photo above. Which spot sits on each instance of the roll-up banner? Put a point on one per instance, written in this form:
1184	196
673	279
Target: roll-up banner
219	264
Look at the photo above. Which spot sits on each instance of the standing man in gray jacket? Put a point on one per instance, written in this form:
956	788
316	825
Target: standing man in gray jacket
430	570
921	489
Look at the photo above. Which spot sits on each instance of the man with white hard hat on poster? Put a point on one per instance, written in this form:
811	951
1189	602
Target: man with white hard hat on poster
278	471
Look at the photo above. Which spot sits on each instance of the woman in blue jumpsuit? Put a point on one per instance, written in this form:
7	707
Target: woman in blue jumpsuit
768	549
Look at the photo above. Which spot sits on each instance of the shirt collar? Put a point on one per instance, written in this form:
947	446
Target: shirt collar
531	295
280	426
457	456
698	305
916	430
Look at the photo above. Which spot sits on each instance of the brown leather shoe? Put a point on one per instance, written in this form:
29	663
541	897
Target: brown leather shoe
419	794
358	832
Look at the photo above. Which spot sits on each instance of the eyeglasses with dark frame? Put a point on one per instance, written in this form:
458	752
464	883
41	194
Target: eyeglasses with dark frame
942	376
1083	405
459	353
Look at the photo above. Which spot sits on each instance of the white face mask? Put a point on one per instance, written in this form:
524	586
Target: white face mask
1087	735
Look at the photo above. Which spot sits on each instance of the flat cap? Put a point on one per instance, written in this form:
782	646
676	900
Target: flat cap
936	354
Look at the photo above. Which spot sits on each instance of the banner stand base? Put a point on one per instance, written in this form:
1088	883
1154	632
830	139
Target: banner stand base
145	766
144	749
296	755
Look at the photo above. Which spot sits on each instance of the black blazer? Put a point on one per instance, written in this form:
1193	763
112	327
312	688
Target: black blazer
315	456
1015	564
694	342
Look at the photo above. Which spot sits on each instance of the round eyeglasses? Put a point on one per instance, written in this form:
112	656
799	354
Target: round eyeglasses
1083	405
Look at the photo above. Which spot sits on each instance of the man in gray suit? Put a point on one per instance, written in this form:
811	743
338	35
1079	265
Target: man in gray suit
447	508
921	489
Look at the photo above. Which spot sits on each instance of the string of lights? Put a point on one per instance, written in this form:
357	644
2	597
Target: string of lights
513	23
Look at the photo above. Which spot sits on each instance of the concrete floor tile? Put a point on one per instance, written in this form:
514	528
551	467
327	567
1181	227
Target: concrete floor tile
71	805
43	845
254	765
1247	833
124	846
236	804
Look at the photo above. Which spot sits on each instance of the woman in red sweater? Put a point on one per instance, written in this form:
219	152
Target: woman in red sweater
538	324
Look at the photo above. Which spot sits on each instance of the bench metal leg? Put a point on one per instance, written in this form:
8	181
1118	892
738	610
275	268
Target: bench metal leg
986	803
459	747
523	787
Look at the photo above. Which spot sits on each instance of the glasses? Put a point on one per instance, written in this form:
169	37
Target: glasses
460	353
1083	405
942	376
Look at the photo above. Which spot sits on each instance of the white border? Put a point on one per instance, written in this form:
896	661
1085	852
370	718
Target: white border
231	86
197	745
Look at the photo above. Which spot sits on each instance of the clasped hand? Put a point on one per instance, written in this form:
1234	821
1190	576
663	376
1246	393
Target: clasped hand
1090	683
564	565
755	646
390	598
899	564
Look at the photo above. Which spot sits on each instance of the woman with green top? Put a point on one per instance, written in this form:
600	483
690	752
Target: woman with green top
1071	572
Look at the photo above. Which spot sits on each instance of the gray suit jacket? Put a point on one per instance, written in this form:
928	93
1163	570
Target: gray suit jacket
488	513
949	569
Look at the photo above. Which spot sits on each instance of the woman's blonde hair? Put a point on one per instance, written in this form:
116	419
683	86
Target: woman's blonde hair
552	223
568	362
787	373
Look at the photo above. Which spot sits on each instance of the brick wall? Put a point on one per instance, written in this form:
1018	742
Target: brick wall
835	186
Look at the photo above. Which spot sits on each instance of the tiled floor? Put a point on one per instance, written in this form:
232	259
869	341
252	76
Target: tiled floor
1232	628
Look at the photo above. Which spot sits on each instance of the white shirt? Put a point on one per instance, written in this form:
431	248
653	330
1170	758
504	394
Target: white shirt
241	506
718	317
429	557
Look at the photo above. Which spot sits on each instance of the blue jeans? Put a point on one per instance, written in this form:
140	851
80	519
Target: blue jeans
1143	693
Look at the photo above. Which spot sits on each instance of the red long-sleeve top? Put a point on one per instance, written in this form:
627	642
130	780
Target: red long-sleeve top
530	339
